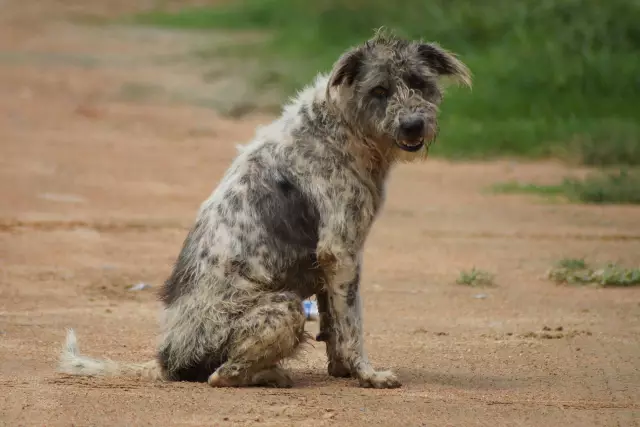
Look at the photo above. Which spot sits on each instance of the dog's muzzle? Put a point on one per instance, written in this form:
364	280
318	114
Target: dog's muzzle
413	132
411	146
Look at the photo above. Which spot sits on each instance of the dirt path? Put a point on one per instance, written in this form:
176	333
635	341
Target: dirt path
98	186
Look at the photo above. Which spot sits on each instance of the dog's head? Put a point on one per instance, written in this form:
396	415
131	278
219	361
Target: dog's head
388	90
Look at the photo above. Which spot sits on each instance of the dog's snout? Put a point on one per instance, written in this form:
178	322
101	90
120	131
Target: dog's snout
412	128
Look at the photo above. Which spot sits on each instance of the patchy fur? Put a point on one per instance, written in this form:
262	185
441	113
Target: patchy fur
289	220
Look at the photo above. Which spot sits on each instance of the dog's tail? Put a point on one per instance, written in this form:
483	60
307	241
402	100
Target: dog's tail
71	362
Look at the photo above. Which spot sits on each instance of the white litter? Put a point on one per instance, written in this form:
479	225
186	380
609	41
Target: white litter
139	287
310	308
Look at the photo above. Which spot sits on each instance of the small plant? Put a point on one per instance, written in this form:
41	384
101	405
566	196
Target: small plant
577	272
475	278
572	264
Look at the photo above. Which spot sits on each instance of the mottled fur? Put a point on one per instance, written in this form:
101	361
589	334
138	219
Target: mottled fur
289	220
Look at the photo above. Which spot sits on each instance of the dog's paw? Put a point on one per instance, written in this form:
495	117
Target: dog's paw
383	379
338	369
217	380
274	377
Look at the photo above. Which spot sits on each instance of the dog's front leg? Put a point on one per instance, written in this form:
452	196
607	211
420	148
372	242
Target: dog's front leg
345	338
337	367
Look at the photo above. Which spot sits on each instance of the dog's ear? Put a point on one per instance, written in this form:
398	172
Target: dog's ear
346	68
444	63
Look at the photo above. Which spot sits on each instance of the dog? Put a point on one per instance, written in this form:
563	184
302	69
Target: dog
288	220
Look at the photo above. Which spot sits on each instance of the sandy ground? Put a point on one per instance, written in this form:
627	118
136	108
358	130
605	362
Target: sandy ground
99	184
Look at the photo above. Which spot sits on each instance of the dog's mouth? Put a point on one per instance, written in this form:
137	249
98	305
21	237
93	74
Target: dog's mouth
411	146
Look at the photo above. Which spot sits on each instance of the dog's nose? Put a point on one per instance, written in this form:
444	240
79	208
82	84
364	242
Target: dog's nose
412	128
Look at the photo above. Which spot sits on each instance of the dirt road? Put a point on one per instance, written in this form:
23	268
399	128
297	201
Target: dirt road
102	170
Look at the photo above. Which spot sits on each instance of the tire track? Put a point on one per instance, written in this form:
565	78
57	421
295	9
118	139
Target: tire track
564	404
114	226
610	370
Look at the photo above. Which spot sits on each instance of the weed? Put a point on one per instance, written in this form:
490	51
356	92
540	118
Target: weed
577	272
572	264
475	278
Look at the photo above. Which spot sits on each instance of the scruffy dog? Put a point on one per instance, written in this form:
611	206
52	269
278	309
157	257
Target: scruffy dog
289	220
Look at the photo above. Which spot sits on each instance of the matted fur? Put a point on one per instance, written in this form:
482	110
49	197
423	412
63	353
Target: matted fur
289	219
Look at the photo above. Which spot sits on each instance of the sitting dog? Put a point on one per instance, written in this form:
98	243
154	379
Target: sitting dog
288	220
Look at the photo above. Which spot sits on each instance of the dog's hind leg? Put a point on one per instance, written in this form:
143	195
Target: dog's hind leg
271	330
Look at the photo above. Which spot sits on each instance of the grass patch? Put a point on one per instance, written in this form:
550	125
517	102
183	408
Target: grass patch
577	272
572	264
475	278
521	188
621	187
549	76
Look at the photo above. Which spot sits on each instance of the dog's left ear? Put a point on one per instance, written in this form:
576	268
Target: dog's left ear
444	63
346	68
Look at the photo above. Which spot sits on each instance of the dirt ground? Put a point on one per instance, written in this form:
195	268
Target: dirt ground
102	170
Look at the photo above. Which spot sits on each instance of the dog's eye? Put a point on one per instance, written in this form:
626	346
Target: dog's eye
380	92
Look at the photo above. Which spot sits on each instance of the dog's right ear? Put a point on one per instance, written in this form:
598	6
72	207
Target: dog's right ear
444	63
346	68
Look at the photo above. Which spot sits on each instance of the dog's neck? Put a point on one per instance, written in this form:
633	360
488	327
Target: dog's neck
369	156
316	112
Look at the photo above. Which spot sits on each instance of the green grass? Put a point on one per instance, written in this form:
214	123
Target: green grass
523	188
621	187
475	278
572	264
577	272
550	76
605	188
